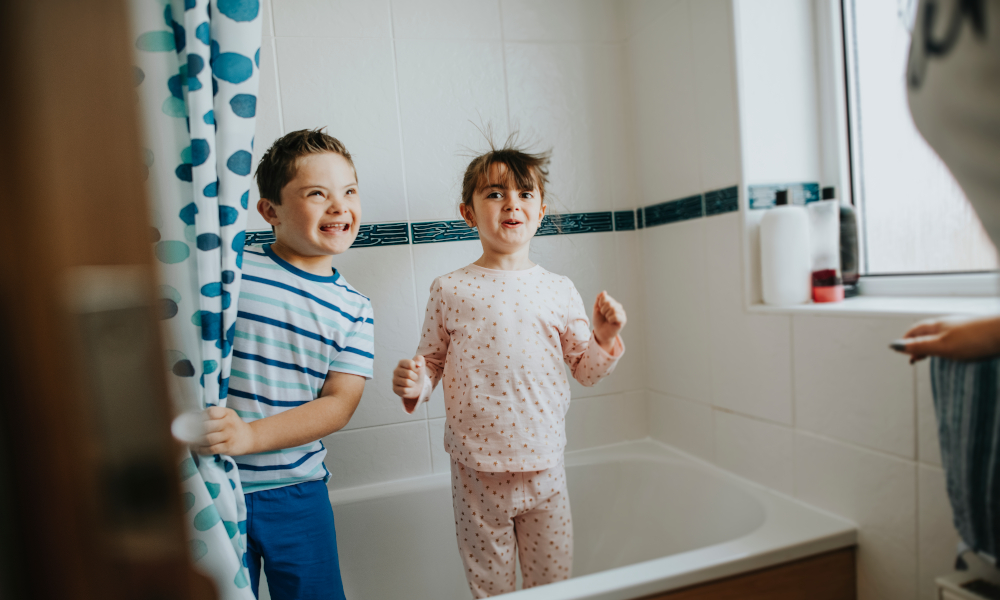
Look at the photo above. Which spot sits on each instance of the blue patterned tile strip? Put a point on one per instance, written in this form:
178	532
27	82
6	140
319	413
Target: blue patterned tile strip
382	234
762	196
259	237
674	210
624	220
442	231
640	222
719	202
565	224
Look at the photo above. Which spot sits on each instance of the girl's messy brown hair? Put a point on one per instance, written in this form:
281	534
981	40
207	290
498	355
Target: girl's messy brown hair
524	169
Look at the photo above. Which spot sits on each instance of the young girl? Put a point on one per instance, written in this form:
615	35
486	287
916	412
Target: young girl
495	333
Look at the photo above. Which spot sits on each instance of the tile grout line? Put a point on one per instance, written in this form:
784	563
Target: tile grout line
277	78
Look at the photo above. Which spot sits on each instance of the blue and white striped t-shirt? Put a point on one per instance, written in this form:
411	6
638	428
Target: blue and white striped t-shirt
291	329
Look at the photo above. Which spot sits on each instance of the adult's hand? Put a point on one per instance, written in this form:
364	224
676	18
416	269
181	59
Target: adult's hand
955	338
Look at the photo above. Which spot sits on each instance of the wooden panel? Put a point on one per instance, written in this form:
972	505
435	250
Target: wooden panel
829	576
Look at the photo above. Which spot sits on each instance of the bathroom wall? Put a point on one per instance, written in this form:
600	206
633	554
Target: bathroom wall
815	407
406	86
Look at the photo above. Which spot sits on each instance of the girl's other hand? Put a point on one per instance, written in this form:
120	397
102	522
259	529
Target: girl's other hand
609	318
955	338
226	433
408	381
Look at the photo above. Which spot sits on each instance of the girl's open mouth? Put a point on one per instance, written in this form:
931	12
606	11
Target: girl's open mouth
511	223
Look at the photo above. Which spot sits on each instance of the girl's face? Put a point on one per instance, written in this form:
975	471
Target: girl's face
507	218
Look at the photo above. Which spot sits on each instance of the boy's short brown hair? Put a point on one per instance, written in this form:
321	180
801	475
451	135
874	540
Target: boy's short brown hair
524	170
277	166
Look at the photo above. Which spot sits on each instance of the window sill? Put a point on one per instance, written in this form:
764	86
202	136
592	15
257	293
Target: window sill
889	306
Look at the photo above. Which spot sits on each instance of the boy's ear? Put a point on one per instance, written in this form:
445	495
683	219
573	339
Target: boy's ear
468	214
266	209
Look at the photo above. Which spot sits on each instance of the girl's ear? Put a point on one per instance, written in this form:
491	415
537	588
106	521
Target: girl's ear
468	214
267	210
541	211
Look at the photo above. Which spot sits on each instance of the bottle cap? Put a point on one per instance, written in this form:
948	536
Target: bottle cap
829	193
781	197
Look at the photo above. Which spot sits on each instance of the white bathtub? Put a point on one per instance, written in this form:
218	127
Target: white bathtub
646	519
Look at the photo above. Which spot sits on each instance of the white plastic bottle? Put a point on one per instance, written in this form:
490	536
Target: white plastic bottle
785	254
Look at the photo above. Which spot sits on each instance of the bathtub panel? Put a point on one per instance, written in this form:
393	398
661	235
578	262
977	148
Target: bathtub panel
446	19
390	288
570	98
349	87
377	454
331	18
936	535
850	386
683	424
447	91
876	492
757	450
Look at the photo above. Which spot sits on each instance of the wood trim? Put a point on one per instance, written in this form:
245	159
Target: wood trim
829	576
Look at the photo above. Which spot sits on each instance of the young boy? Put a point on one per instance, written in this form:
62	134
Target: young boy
302	353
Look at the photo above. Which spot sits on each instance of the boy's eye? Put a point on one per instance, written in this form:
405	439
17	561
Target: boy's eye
351	191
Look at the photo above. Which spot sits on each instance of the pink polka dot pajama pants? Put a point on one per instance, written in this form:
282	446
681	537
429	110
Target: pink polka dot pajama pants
498	512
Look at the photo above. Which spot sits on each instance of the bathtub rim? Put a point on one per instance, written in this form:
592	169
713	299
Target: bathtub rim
791	530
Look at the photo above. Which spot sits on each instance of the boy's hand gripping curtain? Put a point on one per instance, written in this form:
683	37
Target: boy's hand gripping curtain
196	77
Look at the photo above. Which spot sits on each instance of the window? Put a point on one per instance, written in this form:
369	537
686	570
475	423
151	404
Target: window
913	217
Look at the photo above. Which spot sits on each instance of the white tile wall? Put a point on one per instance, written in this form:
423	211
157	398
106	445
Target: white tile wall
560	21
937	539
602	420
268	126
375	454
850	386
757	450
876	492
331	18
682	423
446	20
636	15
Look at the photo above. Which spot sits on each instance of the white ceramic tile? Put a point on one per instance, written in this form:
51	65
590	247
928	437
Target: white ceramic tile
560	20
756	450
928	447
677	320
681	423
268	125
572	98
715	92
937	538
446	19
440	459
751	354
588	259
332	18
390	288
603	420
630	374
447	91
266	25
636	15
876	492
377	454
664	108
850	386
348	86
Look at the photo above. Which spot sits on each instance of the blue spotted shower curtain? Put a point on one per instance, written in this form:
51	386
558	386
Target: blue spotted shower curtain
196	78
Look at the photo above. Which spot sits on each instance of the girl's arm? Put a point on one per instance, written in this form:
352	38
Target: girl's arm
587	356
415	379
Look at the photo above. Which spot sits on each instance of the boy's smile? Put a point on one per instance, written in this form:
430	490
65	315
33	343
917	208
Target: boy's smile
319	214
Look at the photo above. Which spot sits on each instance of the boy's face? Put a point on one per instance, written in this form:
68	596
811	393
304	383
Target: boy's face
507	218
320	209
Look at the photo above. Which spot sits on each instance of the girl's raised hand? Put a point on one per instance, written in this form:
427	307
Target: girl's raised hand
609	318
408	381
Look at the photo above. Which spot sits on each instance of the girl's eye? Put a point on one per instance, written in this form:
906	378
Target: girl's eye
527	195
495	195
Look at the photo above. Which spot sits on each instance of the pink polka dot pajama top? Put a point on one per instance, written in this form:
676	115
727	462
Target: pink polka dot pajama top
496	341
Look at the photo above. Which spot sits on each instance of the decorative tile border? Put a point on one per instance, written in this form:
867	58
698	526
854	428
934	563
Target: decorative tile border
674	210
624	220
719	202
431	232
569	223
762	196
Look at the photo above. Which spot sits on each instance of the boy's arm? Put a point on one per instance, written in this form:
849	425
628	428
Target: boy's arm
227	433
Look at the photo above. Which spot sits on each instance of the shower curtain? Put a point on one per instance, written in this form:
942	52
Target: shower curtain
196	78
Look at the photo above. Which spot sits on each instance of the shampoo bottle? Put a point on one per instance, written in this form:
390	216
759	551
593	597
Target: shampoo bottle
785	254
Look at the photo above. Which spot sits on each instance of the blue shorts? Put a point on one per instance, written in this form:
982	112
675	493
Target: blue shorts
291	528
